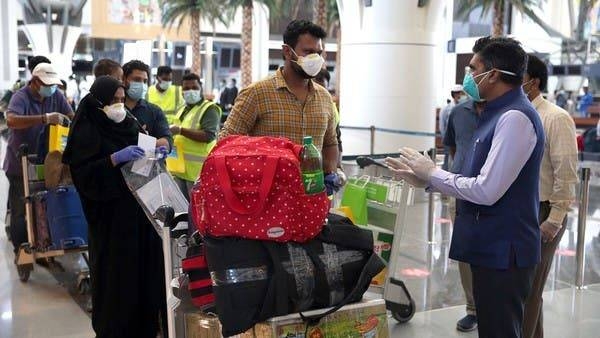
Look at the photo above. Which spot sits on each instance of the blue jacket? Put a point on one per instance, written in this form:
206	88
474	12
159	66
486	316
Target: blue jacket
488	235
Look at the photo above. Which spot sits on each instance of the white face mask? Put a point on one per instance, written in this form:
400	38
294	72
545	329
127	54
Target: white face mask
525	84
310	64
116	112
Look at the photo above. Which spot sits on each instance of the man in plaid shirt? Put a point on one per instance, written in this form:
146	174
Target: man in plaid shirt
289	103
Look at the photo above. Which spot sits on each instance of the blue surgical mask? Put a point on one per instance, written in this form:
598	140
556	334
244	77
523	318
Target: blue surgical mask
47	91
164	85
192	96
137	90
472	88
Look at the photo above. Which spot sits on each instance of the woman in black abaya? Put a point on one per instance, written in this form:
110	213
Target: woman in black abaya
126	261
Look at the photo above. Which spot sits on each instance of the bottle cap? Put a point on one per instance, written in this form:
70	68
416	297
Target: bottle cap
307	140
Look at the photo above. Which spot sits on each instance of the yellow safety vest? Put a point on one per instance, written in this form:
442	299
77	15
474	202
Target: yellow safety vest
169	101
336	113
191	152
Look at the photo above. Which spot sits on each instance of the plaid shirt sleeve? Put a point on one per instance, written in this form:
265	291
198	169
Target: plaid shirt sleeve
330	138
243	116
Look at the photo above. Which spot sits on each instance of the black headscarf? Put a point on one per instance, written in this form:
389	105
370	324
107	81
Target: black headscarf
92	133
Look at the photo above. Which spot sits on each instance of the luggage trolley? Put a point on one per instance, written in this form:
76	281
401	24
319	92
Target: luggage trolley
166	208
34	248
399	194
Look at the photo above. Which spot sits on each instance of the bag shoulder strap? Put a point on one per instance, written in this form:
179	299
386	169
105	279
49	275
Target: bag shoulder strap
373	266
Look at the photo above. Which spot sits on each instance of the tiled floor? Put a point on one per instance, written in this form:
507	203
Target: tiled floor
442	288
42	307
46	306
568	312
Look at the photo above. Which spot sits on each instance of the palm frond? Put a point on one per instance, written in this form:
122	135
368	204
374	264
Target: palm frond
466	7
526	7
333	14
274	6
175	11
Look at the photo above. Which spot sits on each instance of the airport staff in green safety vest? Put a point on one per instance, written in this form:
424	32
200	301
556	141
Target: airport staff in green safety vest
323	79
195	128
165	94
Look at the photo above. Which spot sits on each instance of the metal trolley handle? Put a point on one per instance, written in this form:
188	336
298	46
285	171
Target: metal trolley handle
365	161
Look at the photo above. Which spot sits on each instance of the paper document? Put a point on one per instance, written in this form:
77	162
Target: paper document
148	143
144	165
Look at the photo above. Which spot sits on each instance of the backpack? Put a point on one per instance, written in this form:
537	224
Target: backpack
251	187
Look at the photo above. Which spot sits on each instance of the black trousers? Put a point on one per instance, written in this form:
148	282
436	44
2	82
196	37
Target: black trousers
18	226
500	297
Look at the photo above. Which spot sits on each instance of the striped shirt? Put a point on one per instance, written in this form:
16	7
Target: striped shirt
558	173
269	108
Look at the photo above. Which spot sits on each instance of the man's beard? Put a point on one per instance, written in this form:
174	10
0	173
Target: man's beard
300	71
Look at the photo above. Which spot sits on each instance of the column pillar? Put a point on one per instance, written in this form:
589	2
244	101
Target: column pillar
53	28
388	73
260	42
9	53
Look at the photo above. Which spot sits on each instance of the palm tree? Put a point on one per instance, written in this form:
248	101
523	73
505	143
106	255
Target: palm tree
497	7
176	11
247	16
320	12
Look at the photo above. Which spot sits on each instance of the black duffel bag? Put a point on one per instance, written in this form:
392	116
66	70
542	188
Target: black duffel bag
257	280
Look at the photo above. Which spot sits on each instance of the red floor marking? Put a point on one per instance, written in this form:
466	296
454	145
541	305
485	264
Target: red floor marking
414	272
565	252
443	220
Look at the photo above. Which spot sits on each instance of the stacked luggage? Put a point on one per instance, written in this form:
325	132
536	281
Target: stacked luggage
53	213
269	248
59	221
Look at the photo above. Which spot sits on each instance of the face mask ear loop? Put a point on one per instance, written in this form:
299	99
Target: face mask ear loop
483	78
293	51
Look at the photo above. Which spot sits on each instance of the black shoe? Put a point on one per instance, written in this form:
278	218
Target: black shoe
467	324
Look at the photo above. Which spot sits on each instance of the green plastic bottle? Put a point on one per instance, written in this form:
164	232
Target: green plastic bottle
311	167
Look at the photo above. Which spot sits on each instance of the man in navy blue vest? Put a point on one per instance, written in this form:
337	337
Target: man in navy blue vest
497	228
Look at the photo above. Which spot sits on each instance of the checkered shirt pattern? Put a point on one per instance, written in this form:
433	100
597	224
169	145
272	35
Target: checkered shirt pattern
268	108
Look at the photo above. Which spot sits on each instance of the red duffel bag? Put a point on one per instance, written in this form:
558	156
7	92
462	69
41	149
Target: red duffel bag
251	187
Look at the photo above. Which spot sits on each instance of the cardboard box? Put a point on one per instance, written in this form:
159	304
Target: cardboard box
367	319
382	240
202	325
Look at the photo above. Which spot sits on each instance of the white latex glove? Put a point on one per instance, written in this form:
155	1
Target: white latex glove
342	176
421	165
549	230
404	172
